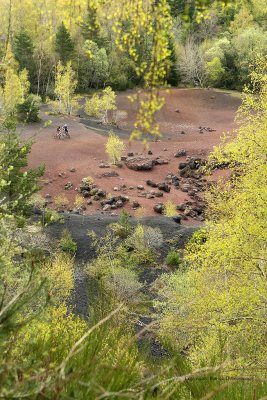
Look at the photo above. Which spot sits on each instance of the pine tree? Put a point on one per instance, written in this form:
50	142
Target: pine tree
16	184
64	44
23	52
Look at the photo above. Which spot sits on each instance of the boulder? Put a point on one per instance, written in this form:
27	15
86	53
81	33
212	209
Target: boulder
139	163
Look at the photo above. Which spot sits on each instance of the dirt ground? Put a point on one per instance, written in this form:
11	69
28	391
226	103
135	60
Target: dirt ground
185	110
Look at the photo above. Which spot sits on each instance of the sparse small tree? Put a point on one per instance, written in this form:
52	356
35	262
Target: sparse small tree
65	85
114	148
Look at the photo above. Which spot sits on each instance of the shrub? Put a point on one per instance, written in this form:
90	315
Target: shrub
50	217
79	201
122	228
61	201
28	111
170	209
88	180
114	148
173	258
66	243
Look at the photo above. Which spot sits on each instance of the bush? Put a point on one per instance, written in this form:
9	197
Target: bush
173	258
66	243
170	209
122	228
28	111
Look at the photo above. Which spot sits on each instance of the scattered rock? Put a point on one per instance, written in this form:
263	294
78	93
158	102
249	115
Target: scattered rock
131	188
136	205
73	170
180	153
85	193
158	194
150	196
130	154
182	132
151	183
140	187
149	153
48	196
177	218
123	158
107	207
103	165
110	174
158	208
160	161
163	186
116	188
177	110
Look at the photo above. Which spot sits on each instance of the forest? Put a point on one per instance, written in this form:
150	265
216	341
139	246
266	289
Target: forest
113	285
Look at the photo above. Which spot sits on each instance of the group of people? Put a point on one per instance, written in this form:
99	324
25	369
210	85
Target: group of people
62	132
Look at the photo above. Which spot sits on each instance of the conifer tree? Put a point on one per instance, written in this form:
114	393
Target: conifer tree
23	52
64	44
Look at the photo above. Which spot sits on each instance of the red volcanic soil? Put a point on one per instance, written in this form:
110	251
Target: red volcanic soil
86	148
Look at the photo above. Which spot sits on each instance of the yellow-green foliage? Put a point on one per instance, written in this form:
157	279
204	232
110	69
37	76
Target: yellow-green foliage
79	201
65	86
51	337
59	273
99	104
15	90
170	209
61	200
114	148
219	305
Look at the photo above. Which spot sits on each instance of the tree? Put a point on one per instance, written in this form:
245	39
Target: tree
114	148
65	85
99	105
216	309
23	52
64	44
28	110
215	71
15	90
191	64
17	184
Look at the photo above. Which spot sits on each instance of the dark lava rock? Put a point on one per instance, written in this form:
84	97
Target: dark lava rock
136	205
151	183
110	174
163	186
159	208
180	153
177	218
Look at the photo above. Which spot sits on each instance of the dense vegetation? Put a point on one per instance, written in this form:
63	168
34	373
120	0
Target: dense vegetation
208	310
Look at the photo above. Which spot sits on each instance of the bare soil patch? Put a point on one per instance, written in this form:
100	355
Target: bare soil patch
185	111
